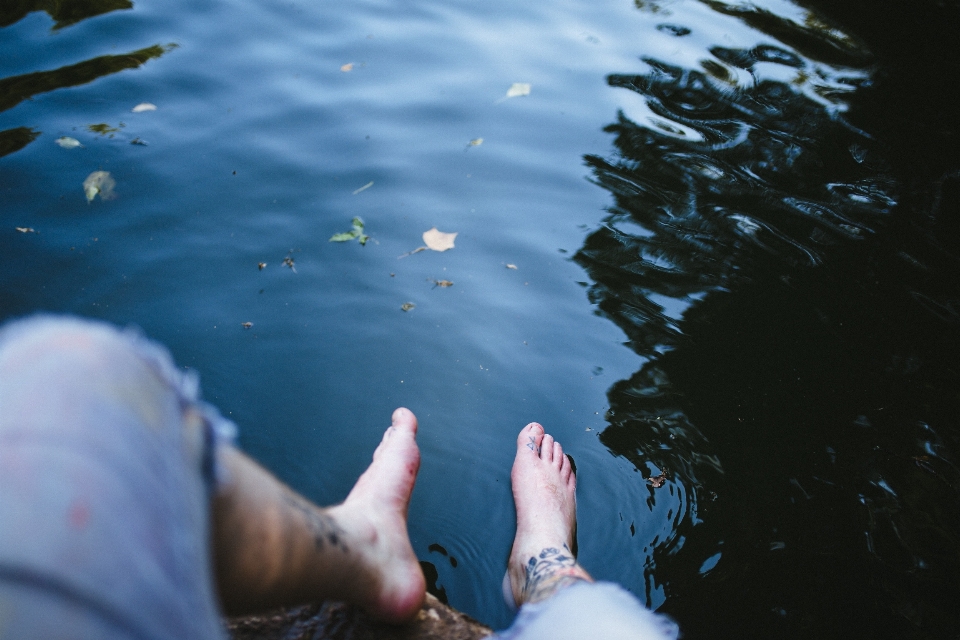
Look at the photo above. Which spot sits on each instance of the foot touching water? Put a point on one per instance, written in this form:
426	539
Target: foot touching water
376	510
544	491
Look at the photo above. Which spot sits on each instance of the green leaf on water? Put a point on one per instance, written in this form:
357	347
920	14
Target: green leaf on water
356	232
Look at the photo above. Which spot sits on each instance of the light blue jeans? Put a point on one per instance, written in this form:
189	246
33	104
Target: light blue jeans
107	462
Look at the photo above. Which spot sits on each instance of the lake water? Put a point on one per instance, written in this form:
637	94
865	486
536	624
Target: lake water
714	241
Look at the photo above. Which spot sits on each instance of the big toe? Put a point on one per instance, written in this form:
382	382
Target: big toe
404	420
530	438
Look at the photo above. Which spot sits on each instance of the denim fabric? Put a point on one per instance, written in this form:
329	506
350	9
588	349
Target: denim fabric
107	460
589	610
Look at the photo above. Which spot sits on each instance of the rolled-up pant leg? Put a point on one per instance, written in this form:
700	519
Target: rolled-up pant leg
589	611
106	464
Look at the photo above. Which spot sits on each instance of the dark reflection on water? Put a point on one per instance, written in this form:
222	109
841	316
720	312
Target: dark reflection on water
15	139
16	89
801	333
64	13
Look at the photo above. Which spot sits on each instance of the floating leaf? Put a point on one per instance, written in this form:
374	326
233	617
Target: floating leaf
144	106
442	283
406	306
356	232
364	187
261	266
347	67
99	182
518	89
105	129
438	240
67	142
476	142
26	229
139	141
511	266
246	325
288	262
657	481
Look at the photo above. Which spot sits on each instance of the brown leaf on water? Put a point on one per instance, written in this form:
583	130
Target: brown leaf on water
246	325
438	240
406	306
288	262
261	266
442	283
657	481
347	67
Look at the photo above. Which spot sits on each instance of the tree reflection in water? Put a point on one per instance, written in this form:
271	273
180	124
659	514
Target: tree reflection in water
64	12
16	89
800	338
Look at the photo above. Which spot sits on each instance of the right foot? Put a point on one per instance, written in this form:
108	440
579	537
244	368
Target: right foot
544	490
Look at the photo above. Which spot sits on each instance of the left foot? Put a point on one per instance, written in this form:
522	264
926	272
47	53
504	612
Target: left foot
375	513
545	493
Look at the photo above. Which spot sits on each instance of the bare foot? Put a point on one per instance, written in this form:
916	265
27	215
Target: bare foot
544	491
376	512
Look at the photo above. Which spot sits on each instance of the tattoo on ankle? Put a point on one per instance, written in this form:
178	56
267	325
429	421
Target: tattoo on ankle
553	570
324	529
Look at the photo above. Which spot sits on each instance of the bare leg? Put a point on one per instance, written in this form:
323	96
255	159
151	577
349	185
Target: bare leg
275	548
544	490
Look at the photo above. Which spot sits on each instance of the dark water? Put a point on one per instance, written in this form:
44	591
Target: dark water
735	229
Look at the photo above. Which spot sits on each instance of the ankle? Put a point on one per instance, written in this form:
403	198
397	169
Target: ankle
537	575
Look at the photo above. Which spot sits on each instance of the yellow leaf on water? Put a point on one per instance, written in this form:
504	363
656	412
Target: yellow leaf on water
518	89
144	106
99	182
347	67
438	240
476	142
406	306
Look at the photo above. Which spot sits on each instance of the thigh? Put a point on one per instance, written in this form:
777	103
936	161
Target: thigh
106	463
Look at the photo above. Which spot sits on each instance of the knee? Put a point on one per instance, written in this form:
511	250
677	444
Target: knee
55	343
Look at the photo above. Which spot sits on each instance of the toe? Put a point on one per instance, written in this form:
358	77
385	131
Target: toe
404	420
546	449
558	456
530	438
564	466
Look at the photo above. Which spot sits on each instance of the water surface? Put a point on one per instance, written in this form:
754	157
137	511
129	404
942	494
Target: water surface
726	271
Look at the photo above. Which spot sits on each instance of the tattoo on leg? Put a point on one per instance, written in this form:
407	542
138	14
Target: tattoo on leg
324	529
550	572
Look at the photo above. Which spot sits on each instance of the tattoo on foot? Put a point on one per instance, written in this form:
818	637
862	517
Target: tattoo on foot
324	529
532	445
552	570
